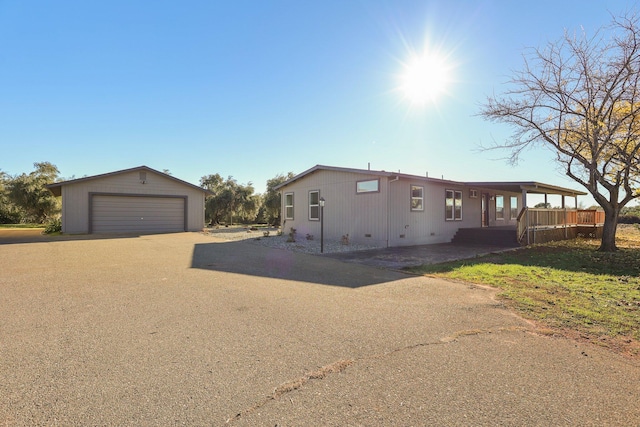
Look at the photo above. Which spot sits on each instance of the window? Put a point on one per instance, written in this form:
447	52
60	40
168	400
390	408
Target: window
417	198
453	205
288	206
371	186
514	207
473	194
499	207
314	205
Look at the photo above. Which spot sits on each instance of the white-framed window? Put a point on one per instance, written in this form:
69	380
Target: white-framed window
288	205
513	206
453	205
417	198
314	205
369	186
473	193
499	207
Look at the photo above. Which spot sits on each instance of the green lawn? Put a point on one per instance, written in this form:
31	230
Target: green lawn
567	287
22	226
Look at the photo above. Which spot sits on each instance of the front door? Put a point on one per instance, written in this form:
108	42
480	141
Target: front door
485	209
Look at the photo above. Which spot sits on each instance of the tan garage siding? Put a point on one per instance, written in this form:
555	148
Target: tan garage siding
76	199
145	214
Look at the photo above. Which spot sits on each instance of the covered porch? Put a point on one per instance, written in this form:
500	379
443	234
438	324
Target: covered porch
532	224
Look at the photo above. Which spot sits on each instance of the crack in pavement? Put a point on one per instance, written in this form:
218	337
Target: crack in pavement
289	386
342	364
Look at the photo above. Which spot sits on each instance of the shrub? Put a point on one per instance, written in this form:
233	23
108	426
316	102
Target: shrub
53	226
628	219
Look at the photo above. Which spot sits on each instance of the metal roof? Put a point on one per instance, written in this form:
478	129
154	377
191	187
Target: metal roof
532	187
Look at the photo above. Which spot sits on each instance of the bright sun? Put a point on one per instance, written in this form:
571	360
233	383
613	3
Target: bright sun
424	78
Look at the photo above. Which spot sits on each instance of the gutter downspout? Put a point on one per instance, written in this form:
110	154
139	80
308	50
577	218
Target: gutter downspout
397	178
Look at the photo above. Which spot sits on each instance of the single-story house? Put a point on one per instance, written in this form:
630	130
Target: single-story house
388	209
136	200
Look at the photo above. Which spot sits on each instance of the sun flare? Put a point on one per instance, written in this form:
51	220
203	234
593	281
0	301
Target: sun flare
424	78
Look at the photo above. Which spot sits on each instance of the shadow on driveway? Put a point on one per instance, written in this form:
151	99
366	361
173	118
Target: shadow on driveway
412	256
255	260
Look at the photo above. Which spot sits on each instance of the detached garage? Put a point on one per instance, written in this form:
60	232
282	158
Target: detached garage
137	200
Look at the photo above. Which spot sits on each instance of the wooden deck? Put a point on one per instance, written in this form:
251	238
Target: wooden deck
546	225
537	226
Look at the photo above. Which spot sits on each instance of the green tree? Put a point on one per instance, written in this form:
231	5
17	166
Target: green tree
212	208
8	212
229	200
580	97
27	192
272	199
631	211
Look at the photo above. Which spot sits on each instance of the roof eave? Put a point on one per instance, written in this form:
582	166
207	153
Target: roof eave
56	188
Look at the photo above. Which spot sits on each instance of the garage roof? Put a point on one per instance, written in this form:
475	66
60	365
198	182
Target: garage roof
56	188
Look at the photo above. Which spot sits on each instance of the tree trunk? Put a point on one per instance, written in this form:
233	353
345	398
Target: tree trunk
608	243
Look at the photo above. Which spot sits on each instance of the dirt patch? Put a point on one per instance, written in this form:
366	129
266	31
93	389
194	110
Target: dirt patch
22	235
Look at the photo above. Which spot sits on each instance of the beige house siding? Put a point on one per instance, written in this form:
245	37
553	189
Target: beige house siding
362	216
391	216
384	218
428	226
76	197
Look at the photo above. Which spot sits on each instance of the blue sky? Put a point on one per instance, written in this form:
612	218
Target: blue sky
257	88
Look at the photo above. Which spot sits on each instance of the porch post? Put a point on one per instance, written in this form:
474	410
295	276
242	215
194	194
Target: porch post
566	236
526	215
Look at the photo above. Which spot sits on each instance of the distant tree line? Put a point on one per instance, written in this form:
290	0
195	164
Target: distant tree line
24	198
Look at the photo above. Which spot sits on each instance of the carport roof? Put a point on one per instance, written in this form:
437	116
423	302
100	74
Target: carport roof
56	188
530	187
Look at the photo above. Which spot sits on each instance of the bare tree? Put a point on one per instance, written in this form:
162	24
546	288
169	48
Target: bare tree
580	96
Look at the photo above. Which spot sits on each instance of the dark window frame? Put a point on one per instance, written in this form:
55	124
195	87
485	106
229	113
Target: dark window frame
286	206
314	206
412	198
453	205
501	211
365	191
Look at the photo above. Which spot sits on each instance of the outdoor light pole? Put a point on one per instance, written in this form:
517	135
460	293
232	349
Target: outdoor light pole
321	224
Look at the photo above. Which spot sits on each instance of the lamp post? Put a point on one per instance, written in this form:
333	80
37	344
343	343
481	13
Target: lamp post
321	224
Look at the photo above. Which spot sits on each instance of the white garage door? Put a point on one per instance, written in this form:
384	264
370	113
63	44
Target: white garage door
126	214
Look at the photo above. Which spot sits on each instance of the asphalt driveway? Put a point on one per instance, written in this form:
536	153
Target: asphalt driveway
181	329
401	257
